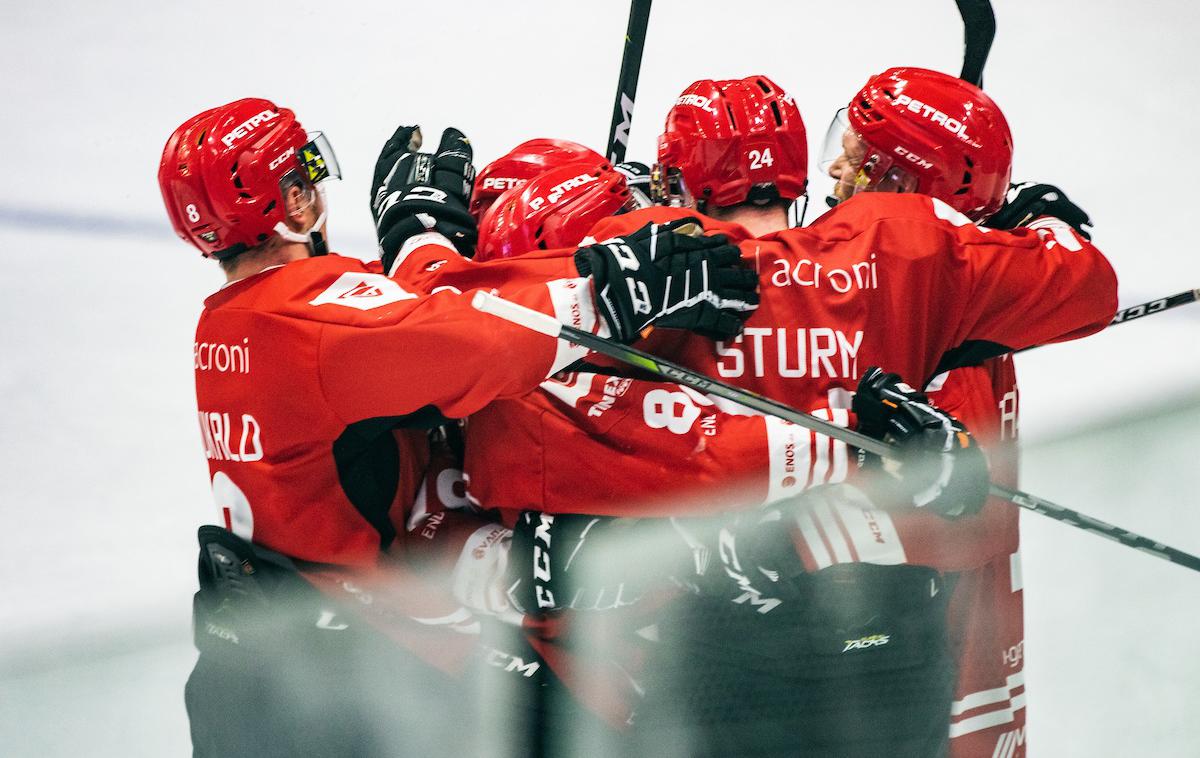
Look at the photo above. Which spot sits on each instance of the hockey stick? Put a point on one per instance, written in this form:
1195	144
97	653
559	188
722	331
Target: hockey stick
979	29
1155	306
627	81
548	325
1126	315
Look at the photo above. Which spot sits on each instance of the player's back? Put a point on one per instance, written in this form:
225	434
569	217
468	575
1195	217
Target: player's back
898	281
284	464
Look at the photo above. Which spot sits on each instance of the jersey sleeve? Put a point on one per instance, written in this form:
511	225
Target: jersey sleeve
1025	287
429	263
611	445
438	356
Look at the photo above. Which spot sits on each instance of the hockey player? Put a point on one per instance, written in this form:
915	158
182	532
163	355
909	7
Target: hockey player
519	165
317	377
899	134
679	410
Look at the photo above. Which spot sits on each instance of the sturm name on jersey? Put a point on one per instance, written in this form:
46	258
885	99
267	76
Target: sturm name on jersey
791	353
222	358
249	125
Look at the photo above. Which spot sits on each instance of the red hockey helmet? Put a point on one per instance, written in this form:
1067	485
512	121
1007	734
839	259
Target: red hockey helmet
928	132
521	164
554	209
730	141
223	173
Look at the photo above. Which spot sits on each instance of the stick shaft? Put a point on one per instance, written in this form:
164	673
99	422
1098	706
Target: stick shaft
627	81
1135	312
979	29
540	322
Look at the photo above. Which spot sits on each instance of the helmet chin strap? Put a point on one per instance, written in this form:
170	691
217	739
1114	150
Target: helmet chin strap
314	237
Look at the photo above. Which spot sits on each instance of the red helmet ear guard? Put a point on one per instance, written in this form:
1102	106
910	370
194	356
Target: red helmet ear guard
222	173
521	164
553	210
944	135
734	140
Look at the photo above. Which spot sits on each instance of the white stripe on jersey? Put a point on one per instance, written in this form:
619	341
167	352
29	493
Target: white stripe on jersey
787	455
1003	696
813	539
833	532
1004	744
872	533
1015	574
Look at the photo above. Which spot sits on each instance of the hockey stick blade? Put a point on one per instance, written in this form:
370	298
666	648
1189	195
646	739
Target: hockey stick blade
1134	312
627	80
544	324
979	29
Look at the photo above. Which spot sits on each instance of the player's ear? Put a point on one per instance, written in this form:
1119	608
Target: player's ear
297	202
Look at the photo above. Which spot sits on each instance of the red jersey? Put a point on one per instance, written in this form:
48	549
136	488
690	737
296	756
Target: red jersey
985	617
316	383
893	280
600	444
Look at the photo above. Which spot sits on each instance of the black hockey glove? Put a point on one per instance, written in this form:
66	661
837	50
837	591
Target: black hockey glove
1028	200
637	177
583	563
672	276
250	598
748	559
415	192
942	467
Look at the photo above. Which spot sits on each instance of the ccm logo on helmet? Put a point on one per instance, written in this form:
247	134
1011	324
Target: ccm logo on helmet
913	158
248	126
933	114
501	183
292	151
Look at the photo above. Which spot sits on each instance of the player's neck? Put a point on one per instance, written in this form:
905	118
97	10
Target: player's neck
757	221
251	262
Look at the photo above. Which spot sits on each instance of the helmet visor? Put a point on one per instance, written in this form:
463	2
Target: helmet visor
317	159
855	166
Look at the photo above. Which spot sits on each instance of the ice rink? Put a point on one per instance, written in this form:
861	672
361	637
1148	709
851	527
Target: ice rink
102	475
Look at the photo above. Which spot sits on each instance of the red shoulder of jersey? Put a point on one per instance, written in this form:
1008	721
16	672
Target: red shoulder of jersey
436	265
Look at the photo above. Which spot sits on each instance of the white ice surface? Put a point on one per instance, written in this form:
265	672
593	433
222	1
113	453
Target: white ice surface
102	479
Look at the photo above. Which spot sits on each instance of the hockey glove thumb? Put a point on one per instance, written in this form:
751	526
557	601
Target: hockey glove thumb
1029	201
940	467
416	192
673	276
